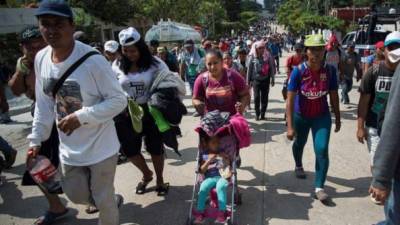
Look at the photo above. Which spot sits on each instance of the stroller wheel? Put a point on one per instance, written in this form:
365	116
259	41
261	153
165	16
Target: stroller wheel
238	199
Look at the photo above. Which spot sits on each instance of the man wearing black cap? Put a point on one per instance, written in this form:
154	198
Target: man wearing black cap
83	105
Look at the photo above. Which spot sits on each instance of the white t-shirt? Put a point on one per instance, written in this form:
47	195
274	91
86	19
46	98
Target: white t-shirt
91	92
137	85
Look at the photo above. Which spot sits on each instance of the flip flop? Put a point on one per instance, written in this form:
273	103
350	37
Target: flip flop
141	187
91	209
162	190
49	217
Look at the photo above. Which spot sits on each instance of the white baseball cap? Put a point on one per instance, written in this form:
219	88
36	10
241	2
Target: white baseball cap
111	46
393	37
128	36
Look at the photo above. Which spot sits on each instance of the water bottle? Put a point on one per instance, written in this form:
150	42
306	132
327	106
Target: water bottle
160	120
44	174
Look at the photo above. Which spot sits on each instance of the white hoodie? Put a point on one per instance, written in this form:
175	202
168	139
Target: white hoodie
91	92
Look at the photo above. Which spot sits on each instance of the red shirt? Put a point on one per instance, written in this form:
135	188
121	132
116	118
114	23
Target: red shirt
293	61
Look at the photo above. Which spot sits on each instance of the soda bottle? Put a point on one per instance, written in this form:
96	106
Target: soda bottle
44	174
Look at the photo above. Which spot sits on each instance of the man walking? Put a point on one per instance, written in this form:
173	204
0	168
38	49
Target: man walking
83	106
385	186
350	61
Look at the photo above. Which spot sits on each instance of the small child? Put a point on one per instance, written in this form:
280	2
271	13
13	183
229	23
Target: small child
215	166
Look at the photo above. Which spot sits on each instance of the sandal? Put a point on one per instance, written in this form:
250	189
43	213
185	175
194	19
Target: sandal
162	190
91	209
141	187
49	218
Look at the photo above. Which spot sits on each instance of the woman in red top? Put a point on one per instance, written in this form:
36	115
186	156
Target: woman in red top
292	62
219	88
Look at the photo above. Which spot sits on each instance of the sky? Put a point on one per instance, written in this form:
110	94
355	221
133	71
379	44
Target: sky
261	2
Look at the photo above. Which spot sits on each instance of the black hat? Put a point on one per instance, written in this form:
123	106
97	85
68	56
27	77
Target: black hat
54	7
29	33
189	43
298	46
154	43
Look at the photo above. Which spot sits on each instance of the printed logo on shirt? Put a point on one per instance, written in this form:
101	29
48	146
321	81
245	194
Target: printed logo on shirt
314	88
137	89
68	99
382	87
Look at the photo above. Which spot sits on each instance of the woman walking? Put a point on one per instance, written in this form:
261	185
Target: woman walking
307	108
260	75
136	74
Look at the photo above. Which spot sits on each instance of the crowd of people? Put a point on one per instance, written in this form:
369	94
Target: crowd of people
92	103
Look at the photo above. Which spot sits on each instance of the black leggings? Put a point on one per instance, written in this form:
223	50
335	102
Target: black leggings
261	91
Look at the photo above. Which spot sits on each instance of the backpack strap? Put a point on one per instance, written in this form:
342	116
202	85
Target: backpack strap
206	80
70	70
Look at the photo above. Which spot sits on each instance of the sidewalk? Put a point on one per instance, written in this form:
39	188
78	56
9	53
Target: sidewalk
271	194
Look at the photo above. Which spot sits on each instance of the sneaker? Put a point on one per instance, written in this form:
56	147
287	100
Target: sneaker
221	218
196	114
321	195
299	172
10	159
199	219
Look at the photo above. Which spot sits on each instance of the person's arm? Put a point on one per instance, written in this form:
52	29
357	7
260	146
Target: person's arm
198	99
272	70
250	69
17	81
359	68
44	116
387	156
362	112
293	87
114	100
205	164
367	87
289	114
334	98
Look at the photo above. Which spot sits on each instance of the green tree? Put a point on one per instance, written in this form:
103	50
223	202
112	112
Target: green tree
111	11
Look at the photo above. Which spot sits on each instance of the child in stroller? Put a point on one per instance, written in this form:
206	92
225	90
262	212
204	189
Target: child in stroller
221	137
215	166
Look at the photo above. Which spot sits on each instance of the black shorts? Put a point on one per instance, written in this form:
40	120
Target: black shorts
49	149
131	142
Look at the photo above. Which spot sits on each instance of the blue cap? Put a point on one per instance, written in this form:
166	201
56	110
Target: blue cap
54	7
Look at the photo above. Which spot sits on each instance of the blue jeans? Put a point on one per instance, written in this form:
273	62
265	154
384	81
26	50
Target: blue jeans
392	206
347	85
5	147
321	130
221	185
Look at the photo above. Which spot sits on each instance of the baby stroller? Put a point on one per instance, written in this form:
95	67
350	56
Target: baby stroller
229	144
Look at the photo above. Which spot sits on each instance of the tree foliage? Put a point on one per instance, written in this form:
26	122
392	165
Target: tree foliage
299	17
